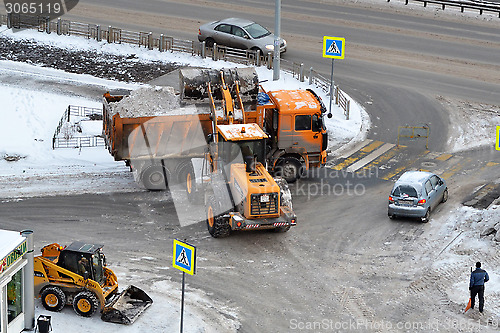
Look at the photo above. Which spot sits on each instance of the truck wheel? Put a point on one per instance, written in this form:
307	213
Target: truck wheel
153	178
289	168
85	303
217	226
53	299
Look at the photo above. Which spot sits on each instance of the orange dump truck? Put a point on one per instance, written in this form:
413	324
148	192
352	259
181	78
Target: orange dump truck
158	131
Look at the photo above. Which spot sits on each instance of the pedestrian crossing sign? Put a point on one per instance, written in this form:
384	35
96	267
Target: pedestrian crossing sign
497	146
333	47
184	257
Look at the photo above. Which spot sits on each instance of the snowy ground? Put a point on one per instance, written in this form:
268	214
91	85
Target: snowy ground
472	124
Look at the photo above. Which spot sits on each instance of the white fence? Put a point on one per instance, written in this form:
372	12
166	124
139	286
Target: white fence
170	44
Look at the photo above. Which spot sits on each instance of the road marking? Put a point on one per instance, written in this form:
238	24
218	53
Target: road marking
404	167
384	158
356	148
364	161
491	164
456	168
444	157
357	155
371	147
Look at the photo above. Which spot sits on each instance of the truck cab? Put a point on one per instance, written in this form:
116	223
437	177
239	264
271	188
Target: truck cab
294	120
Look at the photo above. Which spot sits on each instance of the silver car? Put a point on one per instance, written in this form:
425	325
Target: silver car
416	194
240	34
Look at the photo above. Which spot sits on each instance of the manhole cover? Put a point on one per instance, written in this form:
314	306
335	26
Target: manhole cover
428	164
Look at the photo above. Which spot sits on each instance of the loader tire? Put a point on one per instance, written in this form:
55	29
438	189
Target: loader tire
53	299
217	226
281	229
187	178
85	303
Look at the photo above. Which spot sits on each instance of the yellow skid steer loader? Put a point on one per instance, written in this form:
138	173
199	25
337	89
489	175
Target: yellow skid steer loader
77	275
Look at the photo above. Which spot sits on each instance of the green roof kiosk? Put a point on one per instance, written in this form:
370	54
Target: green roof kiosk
16	281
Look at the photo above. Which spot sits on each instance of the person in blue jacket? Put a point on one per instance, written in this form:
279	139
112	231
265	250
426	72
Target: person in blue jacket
477	279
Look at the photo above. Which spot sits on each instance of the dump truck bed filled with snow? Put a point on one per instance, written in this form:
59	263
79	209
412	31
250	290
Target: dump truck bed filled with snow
150	122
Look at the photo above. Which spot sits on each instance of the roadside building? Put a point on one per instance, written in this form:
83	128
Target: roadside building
16	281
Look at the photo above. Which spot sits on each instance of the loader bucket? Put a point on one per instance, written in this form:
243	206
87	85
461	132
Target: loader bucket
193	82
126	307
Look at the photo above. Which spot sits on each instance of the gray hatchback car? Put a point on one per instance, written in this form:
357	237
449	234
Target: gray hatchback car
416	194
239	33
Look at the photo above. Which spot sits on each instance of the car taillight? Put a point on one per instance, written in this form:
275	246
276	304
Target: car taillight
421	202
391	199
199	32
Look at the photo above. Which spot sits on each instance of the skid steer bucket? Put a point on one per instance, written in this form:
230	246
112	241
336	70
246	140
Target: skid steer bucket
127	306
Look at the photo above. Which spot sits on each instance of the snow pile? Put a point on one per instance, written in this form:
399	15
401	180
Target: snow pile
466	243
201	314
150	101
472	124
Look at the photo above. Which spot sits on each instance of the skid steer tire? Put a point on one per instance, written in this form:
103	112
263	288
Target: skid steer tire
53	299
217	226
85	303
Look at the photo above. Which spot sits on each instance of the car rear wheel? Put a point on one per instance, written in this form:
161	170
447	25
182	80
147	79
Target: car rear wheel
425	218
209	42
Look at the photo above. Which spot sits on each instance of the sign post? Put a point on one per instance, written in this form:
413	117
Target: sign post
497	145
184	259
334	48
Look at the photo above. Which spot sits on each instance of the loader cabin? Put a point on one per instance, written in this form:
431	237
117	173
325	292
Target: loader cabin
245	139
251	184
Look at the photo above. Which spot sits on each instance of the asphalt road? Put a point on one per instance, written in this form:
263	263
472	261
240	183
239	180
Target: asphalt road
346	260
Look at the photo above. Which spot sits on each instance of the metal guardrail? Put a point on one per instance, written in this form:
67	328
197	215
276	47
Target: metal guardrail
79	142
76	111
414	132
164	43
342	101
481	6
